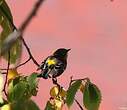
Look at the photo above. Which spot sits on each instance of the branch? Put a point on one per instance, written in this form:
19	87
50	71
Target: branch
83	79
16	66
26	23
11	40
81	108
29	52
4	90
31	15
23	63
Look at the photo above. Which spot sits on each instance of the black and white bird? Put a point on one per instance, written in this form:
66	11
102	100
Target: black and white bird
54	65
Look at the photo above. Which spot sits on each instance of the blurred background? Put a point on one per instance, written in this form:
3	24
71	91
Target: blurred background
95	30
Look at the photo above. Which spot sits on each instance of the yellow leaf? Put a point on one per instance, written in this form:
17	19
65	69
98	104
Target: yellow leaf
82	87
6	107
12	73
58	104
54	92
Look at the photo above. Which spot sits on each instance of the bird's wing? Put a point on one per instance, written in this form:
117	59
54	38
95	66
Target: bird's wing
42	64
58	69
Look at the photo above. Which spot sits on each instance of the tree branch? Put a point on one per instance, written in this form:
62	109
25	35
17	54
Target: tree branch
21	29
81	108
83	79
4	90
29	52
31	15
23	63
16	66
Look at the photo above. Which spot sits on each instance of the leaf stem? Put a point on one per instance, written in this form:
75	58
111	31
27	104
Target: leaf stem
83	79
81	108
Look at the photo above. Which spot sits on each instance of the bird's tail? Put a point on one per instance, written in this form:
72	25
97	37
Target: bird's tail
45	76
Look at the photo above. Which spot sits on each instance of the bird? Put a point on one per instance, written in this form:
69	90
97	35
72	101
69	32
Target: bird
55	64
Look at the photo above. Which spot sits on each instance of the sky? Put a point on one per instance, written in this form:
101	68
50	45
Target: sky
95	30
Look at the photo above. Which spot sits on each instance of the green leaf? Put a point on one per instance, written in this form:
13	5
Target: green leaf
15	52
27	105
10	88
5	9
20	105
6	22
32	80
22	88
71	92
18	92
49	106
31	105
33	83
91	96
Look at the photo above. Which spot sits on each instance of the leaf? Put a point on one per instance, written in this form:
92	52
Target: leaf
91	96
18	92
32	80
12	73
4	102
6	22
82	87
4	7
49	106
25	105
72	91
15	52
33	83
31	105
11	85
6	107
22	87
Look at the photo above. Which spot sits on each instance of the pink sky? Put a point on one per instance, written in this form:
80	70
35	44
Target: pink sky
96	32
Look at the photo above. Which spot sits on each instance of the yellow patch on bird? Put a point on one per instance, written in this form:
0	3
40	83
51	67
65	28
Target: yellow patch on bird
51	62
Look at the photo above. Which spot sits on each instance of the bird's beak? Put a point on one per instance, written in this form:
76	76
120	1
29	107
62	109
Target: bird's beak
68	50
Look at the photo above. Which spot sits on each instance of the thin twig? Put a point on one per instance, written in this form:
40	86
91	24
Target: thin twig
78	104
31	15
26	23
4	90
83	79
23	63
16	66
3	69
70	80
3	73
29	52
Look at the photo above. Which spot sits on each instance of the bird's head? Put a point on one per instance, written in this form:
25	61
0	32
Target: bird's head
61	52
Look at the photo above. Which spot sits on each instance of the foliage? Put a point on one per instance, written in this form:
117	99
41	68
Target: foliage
6	22
20	91
71	92
91	96
20	88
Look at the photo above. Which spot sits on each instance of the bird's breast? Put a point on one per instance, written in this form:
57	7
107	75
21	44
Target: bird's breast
50	61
